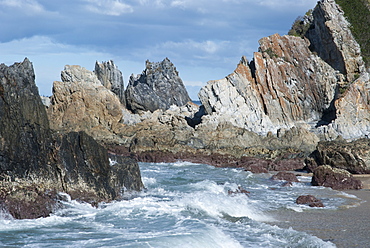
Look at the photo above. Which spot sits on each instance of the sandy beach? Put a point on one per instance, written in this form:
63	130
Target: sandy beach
348	226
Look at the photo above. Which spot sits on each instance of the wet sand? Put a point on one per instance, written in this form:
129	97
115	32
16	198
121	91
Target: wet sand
345	227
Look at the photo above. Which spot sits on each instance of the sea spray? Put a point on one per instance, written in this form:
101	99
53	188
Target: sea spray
184	205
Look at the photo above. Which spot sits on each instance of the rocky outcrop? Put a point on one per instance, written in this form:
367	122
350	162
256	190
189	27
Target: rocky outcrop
111	77
352	112
332	39
285	85
81	103
310	83
24	127
351	156
36	163
309	200
337	179
158	87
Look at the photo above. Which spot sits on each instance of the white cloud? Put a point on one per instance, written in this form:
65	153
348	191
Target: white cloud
282	4
208	46
30	7
109	7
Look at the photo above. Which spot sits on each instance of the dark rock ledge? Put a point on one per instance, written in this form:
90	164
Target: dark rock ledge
37	163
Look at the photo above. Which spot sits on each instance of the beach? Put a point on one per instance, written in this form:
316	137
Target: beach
348	226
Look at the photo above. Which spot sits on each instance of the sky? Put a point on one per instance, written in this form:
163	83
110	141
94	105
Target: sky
204	39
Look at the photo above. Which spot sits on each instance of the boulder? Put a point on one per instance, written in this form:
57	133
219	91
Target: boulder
158	87
111	77
309	200
352	156
286	176
337	179
36	163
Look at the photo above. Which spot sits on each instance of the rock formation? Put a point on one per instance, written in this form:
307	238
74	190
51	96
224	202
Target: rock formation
338	179
352	156
158	87
298	82
82	103
111	77
36	163
332	39
267	115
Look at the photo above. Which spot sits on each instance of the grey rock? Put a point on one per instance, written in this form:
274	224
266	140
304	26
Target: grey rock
111	77
158	87
76	73
331	38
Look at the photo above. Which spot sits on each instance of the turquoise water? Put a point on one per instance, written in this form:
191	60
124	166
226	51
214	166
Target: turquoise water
184	205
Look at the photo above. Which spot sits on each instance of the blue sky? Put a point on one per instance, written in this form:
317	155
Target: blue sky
205	39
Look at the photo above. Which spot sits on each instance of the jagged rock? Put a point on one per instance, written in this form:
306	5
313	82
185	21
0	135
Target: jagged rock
158	87
309	200
82	103
111	77
337	179
332	39
36	164
283	86
353	120
351	156
24	126
286	176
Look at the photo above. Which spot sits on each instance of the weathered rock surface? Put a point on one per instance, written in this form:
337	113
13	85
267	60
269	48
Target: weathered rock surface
309	200
36	164
158	87
337	179
111	77
82	103
24	127
284	85
351	156
286	176
332	39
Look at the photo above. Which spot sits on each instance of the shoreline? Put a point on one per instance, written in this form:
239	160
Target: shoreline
348	226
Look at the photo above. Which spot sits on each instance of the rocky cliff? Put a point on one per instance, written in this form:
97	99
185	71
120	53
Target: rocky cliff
293	81
158	87
36	163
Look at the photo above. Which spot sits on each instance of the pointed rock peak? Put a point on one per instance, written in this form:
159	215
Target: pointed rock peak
243	61
111	77
160	84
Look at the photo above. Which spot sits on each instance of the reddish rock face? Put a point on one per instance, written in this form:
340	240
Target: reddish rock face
287	176
334	178
309	200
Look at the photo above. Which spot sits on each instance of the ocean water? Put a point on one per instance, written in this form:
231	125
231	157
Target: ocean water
184	205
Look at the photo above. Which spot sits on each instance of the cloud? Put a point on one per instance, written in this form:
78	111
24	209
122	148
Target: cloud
29	7
283	4
108	7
